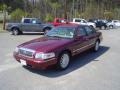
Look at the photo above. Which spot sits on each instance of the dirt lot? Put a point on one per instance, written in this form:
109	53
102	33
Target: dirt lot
1	27
88	71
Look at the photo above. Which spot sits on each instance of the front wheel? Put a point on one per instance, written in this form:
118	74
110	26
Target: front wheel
46	30
64	61
97	46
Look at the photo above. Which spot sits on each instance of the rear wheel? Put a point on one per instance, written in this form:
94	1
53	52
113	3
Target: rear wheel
103	27
15	31
111	26
64	61
97	46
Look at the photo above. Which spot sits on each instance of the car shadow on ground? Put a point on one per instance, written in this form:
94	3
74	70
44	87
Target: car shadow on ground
76	63
28	33
32	33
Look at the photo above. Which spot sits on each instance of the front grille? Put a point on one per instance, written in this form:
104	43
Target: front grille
26	52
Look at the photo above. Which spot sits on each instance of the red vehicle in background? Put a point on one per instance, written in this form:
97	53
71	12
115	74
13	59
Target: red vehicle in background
59	21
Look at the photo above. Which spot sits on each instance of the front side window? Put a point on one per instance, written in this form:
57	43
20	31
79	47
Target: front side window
36	21
77	20
81	31
89	30
83	21
63	32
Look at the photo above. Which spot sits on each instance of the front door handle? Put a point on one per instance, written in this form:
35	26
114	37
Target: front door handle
86	38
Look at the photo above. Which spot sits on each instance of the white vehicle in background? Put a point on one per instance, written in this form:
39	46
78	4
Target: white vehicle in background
83	22
113	24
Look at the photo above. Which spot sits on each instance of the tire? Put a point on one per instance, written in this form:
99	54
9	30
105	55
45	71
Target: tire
46	30
111	26
64	60
91	26
103	27
97	46
15	31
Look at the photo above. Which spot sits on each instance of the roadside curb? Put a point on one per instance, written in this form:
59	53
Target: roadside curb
3	31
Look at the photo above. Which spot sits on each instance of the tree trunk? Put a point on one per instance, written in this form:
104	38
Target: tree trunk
4	19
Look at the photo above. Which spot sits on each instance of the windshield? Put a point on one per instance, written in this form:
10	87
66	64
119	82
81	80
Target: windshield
63	32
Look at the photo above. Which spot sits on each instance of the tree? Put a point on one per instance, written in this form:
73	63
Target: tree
55	6
49	18
14	4
3	8
17	15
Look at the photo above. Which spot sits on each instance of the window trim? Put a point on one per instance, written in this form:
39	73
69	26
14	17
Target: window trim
83	29
93	31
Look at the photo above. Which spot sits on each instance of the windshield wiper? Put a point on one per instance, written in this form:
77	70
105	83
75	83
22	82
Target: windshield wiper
53	36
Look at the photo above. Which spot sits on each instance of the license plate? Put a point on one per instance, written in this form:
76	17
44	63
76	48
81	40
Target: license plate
23	62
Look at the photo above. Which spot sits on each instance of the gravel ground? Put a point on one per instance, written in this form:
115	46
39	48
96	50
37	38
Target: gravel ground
88	71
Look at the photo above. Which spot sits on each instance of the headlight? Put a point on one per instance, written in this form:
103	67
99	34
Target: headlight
16	49
42	55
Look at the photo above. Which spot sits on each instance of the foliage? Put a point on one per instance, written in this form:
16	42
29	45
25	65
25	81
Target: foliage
49	18
13	4
18	14
108	15
56	8
3	7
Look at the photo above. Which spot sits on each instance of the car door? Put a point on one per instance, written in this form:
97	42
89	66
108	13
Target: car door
83	22
91	36
81	40
36	25
26	25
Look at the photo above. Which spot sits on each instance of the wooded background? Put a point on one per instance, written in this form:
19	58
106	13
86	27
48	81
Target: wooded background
47	10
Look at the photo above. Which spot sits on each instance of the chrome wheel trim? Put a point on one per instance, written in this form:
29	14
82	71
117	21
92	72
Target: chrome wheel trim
96	46
110	27
64	60
15	32
46	30
103	28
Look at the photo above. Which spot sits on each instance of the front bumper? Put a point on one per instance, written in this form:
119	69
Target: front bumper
36	64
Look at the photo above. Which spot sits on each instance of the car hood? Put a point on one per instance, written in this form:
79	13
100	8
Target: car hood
48	24
45	44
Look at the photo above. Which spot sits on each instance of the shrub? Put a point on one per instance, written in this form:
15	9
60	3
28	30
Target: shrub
18	14
108	15
49	18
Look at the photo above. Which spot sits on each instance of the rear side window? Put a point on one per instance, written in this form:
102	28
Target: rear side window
26	20
81	31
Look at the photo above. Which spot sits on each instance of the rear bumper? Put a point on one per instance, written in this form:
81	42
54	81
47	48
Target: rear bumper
36	64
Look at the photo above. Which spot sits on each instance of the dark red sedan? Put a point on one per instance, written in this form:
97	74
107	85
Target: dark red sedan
58	46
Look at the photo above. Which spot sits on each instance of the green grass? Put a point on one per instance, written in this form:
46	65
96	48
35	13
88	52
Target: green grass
1	27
